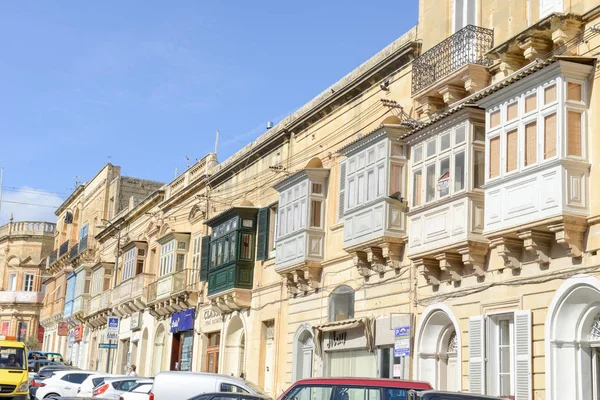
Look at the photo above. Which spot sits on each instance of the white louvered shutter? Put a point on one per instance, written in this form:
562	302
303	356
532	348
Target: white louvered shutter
342	195
477	355
523	355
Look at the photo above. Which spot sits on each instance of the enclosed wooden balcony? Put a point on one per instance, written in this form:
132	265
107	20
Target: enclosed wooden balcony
97	308
131	295
165	295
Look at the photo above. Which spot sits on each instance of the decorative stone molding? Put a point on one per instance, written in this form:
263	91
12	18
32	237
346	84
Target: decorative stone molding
537	244
569	235
509	249
360	261
473	257
303	277
535	47
377	256
450	265
429	269
232	300
375	259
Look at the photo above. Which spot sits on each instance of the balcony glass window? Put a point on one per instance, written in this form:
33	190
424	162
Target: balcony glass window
12	282
574	91
549	136
213	254
574	133
317	188
316	214
232	247
273	224
97	281
246	247
478	168
549	94
512	144
196	253
129	263
494	157
180	266
28	282
444	172
167	258
396	179
417	154
531	143
531	103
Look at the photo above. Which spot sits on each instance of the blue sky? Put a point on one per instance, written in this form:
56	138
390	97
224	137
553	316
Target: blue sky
143	84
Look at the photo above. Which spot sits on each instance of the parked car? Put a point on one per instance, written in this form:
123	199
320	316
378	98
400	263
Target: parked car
86	389
141	391
42	374
113	388
35	365
230	396
45	355
438	395
352	388
177	385
62	384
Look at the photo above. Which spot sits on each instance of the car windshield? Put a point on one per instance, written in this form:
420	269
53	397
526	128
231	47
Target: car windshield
256	389
54	356
12	358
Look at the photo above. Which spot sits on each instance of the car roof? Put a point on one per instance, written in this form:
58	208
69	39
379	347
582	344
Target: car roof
245	395
392	383
459	395
192	374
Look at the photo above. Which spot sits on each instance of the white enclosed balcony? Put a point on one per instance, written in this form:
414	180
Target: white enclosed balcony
372	199
301	227
446	202
537	169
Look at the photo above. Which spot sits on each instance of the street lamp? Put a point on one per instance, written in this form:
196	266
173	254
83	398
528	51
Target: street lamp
118	229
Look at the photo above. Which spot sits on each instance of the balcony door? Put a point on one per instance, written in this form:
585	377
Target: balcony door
464	45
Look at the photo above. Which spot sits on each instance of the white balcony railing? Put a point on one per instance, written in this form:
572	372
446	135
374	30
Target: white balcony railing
21	297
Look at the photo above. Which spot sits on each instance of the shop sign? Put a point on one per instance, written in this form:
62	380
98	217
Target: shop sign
344	339
78	333
402	341
136	320
210	316
182	321
397	370
40	335
5	326
71	339
63	329
112	330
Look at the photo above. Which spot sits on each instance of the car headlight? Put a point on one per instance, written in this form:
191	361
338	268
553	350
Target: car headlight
23	387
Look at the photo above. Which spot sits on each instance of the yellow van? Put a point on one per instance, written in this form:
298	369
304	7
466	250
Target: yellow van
14	382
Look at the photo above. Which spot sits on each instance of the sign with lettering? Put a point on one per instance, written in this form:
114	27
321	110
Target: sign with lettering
402	341
112	328
5	326
63	329
210	319
77	333
344	339
136	320
182	321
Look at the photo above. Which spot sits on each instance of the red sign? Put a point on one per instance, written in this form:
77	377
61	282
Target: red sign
40	334
5	326
63	329
78	333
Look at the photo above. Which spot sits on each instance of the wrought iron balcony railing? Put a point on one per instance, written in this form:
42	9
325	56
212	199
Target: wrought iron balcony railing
74	251
52	257
467	46
63	249
83	244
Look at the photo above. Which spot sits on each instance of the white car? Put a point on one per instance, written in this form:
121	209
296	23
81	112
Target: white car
87	387
113	388
62	384
139	392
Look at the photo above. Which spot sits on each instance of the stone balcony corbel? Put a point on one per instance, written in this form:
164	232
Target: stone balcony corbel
451	265
535	47
537	244
393	253
300	281
510	251
453	93
563	30
569	235
506	64
303	277
429	269
360	261
375	258
473	257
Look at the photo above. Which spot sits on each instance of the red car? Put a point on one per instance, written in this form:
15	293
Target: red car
352	389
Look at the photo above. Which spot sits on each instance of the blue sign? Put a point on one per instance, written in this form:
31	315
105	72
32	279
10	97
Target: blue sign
182	321
108	345
112	331
402	341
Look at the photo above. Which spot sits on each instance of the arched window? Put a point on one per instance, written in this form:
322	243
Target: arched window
303	354
159	342
341	303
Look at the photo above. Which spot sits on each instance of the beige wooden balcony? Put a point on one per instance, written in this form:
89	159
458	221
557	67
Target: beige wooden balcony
130	296
96	309
173	292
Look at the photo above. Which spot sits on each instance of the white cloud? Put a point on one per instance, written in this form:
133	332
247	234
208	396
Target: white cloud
28	204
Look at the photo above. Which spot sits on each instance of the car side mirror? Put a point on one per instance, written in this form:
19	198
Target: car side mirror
31	369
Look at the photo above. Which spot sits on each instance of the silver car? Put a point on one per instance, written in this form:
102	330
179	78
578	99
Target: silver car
177	385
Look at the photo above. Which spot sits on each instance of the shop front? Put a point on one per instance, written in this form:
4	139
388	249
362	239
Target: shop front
347	348
182	328
211	322
75	338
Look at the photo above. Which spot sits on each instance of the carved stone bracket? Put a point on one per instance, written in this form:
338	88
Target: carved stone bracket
450	265
535	47
393	253
563	30
303	277
473	257
569	235
452	93
429	269
375	258
537	244
509	250
360	261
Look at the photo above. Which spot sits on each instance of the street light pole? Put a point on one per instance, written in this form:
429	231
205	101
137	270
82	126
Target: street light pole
108	360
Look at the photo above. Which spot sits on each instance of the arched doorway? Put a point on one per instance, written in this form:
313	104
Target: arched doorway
438	349
573	340
159	347
235	348
303	353
142	367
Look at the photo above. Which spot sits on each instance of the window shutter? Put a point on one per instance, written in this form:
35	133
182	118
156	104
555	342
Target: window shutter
512	143
204	258
342	198
574	134
476	355
262	238
531	143
550	136
523	355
